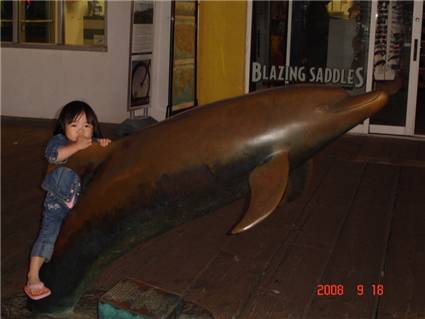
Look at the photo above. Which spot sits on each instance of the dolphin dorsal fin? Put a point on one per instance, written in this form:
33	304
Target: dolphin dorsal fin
268	184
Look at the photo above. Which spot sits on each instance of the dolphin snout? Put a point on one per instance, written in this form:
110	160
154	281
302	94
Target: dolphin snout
370	102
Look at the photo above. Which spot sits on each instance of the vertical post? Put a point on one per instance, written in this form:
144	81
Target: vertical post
288	38
249	9
412	92
171	60
15	18
59	23
371	52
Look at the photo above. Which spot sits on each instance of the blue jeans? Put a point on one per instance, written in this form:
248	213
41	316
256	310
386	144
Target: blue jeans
54	213
62	185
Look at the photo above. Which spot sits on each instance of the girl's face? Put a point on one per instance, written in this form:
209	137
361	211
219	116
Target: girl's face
78	127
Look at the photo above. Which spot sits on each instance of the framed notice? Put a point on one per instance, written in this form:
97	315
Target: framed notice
142	27
183	57
140	80
141	46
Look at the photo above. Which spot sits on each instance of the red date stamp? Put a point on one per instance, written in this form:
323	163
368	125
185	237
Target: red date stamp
339	289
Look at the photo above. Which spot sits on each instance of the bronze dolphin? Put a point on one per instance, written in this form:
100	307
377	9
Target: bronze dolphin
185	166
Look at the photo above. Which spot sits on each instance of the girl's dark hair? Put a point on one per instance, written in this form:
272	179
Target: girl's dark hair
71	111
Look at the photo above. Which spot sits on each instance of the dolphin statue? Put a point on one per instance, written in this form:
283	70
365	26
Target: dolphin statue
185	166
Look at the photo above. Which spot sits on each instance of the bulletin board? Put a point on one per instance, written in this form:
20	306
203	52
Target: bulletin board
141	47
182	93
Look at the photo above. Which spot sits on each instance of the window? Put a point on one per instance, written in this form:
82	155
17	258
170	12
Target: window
7	21
36	22
78	23
322	42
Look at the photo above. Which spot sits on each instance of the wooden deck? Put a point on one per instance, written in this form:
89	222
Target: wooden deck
360	224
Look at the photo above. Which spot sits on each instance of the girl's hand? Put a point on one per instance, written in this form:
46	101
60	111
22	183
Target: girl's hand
104	141
83	142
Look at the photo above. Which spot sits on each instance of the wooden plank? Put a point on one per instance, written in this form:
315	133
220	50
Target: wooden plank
345	148
23	244
403	150
357	258
173	260
331	205
23	170
25	211
398	152
324	221
294	271
285	293
399	277
260	242
235	273
376	147
22	197
228	282
231	277
378	186
421	151
339	184
405	261
416	307
391	149
412	187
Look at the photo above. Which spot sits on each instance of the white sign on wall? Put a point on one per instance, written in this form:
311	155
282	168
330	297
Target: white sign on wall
142	30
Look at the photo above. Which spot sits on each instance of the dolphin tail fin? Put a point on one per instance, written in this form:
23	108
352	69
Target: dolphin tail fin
268	185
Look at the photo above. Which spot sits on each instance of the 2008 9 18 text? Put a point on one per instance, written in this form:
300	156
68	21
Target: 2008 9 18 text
339	289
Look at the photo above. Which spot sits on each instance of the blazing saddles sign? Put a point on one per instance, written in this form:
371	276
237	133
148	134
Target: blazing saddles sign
343	77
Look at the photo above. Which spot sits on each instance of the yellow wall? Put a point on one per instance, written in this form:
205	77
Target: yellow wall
221	50
74	13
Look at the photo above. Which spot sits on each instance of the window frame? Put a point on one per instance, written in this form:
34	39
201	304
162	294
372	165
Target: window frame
23	21
58	21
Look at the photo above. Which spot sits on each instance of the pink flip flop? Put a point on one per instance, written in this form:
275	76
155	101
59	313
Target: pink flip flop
37	291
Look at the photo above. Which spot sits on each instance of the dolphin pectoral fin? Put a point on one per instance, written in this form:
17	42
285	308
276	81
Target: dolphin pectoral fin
268	184
298	180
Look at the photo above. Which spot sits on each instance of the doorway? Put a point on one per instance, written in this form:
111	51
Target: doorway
358	45
396	65
420	101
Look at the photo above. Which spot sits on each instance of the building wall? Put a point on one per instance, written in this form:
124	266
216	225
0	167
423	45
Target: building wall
221	50
37	82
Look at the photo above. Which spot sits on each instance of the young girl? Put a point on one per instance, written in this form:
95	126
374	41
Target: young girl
76	129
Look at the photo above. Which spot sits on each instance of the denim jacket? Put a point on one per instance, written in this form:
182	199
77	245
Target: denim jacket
62	182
